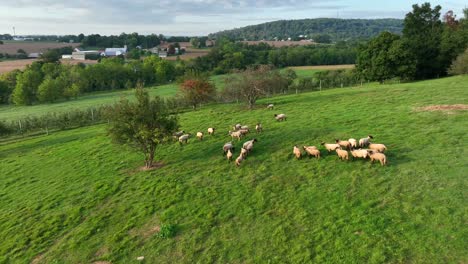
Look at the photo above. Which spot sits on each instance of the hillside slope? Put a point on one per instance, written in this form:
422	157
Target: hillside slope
338	29
74	197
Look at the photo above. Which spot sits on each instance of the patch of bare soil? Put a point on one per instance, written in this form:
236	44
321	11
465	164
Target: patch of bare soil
37	259
445	108
156	165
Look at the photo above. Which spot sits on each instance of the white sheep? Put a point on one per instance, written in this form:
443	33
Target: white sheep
176	135
342	154
297	152
270	106
363	142
229	155
378	156
258	128
236	134
200	135
280	117
184	138
360	153
211	131
244	152
343	143
236	127
228	146
329	146
248	145
353	142
378	147
312	151
239	160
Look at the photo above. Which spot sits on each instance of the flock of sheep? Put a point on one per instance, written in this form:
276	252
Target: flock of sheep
357	148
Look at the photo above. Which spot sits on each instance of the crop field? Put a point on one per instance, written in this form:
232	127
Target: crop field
279	44
11	47
75	197
190	53
10	65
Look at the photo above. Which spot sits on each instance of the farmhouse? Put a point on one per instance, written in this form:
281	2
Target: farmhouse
34	55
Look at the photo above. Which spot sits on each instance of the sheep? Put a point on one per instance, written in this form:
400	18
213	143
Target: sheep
342	154
244	128
228	146
248	145
377	147
239	160
200	135
244	152
243	131
353	142
378	156
297	152
312	151
360	153
343	143
236	134
229	155
280	117
363	142
184	138
329	146
236	127
211	131
176	135
258	128
271	106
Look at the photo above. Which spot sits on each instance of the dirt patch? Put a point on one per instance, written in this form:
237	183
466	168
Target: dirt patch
37	259
7	66
148	230
101	252
443	108
156	165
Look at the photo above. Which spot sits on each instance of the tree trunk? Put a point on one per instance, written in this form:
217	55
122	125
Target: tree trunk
150	158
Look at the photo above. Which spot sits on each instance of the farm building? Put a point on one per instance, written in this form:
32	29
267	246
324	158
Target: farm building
84	55
114	51
34	55
162	54
67	57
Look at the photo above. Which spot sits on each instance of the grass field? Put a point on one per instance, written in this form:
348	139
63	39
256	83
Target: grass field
74	197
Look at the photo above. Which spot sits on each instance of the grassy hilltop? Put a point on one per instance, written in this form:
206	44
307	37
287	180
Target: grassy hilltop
74	197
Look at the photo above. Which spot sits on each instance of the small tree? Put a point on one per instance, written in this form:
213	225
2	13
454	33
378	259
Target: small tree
250	85
143	124
460	64
196	90
51	56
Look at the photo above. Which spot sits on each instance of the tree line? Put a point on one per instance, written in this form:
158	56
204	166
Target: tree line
426	49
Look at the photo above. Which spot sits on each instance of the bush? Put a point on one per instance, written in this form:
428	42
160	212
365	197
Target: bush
167	231
460	64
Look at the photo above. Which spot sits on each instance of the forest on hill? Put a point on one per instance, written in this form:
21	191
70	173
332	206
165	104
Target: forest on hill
331	29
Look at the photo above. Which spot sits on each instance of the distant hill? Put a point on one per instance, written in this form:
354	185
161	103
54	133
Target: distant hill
337	29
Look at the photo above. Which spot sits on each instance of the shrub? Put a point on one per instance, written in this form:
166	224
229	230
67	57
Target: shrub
460	64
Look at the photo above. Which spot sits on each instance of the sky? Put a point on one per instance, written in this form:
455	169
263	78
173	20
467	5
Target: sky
185	17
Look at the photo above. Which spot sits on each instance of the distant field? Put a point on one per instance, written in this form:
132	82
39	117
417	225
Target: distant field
191	53
324	67
11	47
75	197
9	65
279	44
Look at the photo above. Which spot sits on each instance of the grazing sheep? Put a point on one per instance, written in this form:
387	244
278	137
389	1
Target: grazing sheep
363	142
228	146
236	134
353	142
312	151
248	145
229	155
280	117
270	106
244	152
360	153
378	147
176	135
329	146
342	154
184	138
297	152
344	144
211	131
244	128
236	127
200	135
243	131
259	128
378	156
239	160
